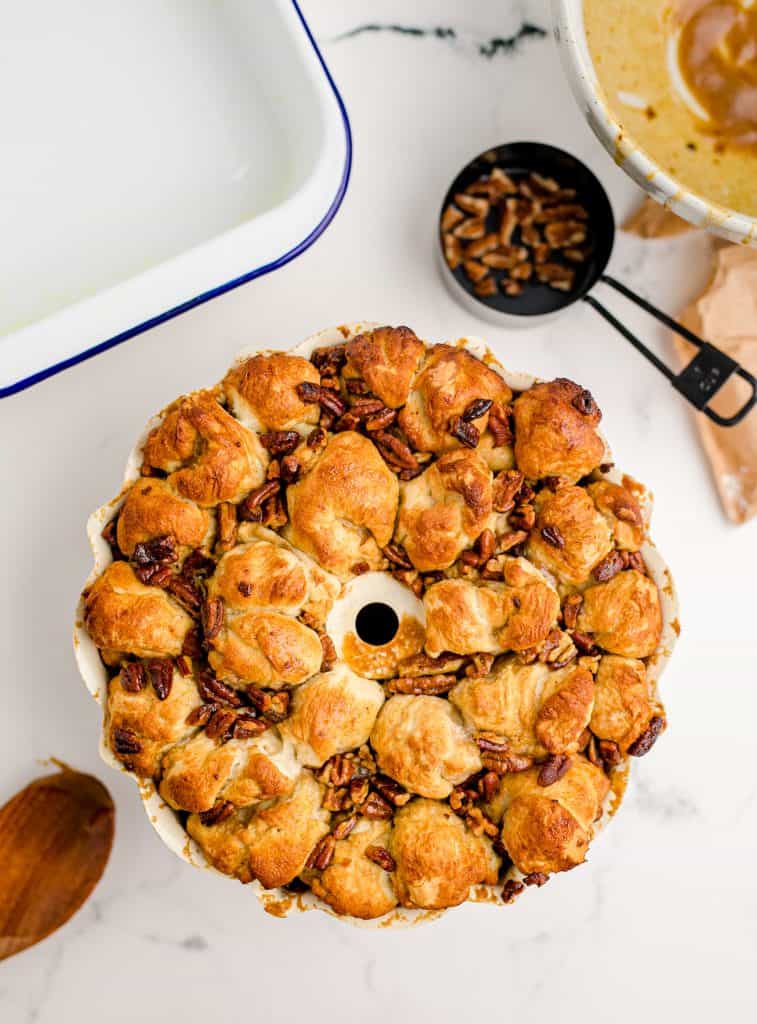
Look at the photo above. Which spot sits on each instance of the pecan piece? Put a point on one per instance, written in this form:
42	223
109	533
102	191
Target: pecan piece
451	217
327	398
227	526
398	556
488	785
126	742
553	536
221	725
159	549
570	610
381	420
183	665
133	676
329	358
477	408
610	566
186	593
212	617
280	442
636	561
490	743
329	652
416	685
536	878
511	890
424	665
376	807
471	227
453	255
273	706
480	664
202	714
553	769
505	488
396	448
316	439
154	574
359	790
523	517
609	753
247	725
584	402
161	675
344	827
213	690
466	433
381	856
500	425
391	790
472	205
583	642
218	813
322	853
648	738
556	276
250	509
563	234
290	469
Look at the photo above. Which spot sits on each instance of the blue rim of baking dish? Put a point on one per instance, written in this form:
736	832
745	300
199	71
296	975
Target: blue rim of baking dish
212	293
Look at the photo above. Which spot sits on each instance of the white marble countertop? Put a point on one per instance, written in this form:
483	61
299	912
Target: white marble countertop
663	919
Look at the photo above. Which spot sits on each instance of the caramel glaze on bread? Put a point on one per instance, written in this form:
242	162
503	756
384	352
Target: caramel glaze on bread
485	759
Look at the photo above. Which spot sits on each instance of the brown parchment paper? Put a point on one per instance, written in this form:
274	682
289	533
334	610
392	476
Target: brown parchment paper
726	315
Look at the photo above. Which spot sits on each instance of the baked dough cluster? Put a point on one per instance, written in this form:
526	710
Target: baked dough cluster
481	762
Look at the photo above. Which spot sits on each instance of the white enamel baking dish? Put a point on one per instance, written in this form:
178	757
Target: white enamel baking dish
156	153
166	822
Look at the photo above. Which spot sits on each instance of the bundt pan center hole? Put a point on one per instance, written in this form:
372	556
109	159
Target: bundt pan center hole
377	623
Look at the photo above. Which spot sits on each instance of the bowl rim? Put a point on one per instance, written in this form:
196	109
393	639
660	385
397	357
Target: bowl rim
165	821
568	28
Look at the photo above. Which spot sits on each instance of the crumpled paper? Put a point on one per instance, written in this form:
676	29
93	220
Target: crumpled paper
725	314
651	220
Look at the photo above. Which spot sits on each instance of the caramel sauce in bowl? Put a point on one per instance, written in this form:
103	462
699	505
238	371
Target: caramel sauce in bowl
670	89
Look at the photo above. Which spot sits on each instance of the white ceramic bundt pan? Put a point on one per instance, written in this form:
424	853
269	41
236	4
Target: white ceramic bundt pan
164	820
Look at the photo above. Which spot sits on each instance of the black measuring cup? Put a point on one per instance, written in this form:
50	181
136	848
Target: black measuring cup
710	368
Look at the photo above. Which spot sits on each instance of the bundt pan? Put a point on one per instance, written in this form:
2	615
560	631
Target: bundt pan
373	588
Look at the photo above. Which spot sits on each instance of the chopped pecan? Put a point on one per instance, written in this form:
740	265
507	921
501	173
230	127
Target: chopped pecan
505	258
376	807
213	690
511	890
466	433
610	566
425	665
480	246
133	676
290	469
391	790
583	642
636	561
562	234
416	685
486	544
154	573
159	549
453	255
345	827
398	449
126	742
523	517
350	421
326	397
280	442
274	513
485	288
472	205
480	824
329	652
536	878
648	738
556	276
522	272
566	211
490	743
451	217
186	592
218	813
273	706
609	753
553	536
584	402
381	420
221	725
359	790
227	526
201	715
360	568
470	558
488	785
409	578
553	769
570	609
197	564
250	509
192	646
212	617
322	853
161	675
474	271
471	227
505	487
247	725
329	358
316	439
396	554
183	665
480	665
477	408
575	255
511	288
381	856
500	425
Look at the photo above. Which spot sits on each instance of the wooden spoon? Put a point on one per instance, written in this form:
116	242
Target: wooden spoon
55	840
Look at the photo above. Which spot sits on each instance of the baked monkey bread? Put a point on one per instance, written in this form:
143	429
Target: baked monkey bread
381	629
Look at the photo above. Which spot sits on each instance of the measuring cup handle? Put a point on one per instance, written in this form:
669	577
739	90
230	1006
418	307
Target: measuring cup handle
702	378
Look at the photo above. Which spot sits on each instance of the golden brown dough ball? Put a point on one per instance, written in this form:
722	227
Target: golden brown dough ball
555	431
451	378
142	719
438	858
443	510
386	358
549	828
267	573
265	649
570	536
262	392
465	617
420	742
623	615
199	773
342	511
152	509
353	884
332	713
623	704
208	455
622	512
537	709
122	614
